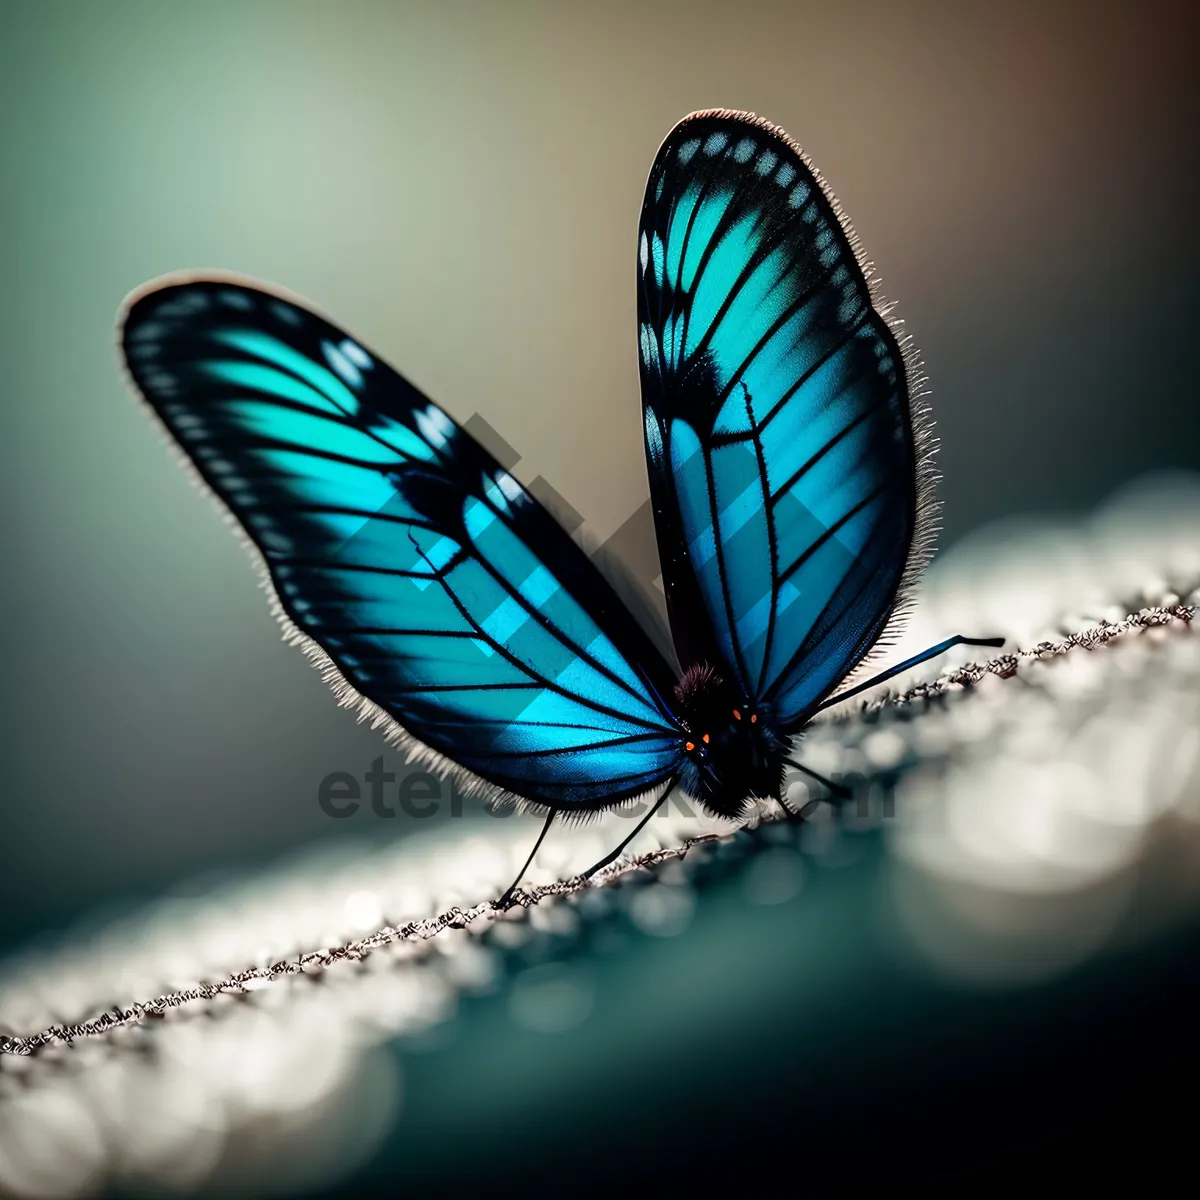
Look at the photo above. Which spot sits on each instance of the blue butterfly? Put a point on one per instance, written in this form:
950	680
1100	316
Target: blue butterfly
789	473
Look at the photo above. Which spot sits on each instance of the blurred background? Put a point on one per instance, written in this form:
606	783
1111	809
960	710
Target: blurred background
459	186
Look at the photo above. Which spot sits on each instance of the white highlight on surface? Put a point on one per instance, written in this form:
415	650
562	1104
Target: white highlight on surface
363	911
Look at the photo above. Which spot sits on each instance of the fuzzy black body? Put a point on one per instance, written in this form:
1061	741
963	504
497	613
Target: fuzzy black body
733	752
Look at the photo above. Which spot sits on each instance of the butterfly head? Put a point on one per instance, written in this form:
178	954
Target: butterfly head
730	748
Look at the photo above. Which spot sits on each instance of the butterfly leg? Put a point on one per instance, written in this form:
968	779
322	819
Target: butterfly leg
638	829
506	899
908	663
838	792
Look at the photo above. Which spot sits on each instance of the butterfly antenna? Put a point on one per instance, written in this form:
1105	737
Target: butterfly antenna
506	899
916	660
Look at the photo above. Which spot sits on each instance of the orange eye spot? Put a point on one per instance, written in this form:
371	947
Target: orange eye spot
689	746
704	739
753	718
737	716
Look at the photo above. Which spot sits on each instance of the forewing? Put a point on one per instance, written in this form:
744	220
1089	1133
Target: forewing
404	556
778	421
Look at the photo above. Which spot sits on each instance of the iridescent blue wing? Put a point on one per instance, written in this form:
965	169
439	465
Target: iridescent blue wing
442	596
779	427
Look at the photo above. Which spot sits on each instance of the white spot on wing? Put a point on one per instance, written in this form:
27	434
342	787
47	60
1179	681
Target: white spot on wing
430	429
654	446
649	346
659	255
341	364
509	486
743	150
494	494
356	354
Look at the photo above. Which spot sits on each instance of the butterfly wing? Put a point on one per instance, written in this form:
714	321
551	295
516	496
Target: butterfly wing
779	429
444	598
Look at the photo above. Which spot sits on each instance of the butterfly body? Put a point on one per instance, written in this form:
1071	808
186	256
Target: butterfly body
732	751
788	462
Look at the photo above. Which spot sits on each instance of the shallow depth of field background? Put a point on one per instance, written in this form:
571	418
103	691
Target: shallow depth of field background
461	190
459	186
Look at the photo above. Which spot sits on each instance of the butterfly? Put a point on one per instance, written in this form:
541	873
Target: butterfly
788	452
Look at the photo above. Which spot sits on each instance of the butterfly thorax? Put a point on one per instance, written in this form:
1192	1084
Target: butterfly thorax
732	750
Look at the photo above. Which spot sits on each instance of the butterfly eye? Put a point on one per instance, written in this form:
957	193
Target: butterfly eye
737	716
689	746
704	739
